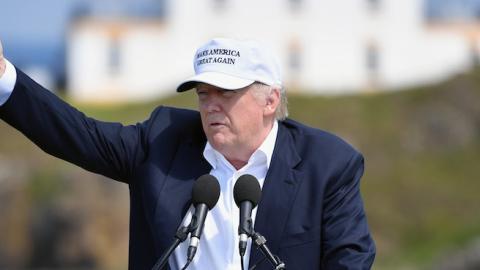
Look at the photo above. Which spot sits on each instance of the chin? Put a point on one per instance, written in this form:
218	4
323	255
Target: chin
218	145
218	141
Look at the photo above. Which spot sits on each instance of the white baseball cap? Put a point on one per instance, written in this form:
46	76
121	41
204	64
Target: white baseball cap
232	64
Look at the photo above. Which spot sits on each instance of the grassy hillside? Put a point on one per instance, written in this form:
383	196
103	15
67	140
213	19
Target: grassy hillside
421	185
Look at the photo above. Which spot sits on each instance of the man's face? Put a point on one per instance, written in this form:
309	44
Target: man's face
234	121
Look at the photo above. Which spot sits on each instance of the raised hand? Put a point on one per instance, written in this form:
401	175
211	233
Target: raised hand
3	64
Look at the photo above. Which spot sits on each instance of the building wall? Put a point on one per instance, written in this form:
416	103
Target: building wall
326	47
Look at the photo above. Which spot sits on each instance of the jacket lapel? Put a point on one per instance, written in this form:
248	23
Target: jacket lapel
278	192
175	197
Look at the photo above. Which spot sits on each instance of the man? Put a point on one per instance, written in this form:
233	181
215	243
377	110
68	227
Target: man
310	212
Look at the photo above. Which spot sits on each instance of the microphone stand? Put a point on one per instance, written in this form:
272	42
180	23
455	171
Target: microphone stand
260	242
180	236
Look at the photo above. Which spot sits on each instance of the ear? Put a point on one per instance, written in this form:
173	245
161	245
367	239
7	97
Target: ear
272	101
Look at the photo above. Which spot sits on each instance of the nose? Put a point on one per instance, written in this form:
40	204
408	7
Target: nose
211	103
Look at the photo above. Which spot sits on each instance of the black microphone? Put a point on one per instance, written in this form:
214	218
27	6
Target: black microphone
205	194
246	193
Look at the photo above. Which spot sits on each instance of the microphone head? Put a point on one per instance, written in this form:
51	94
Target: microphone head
247	188
206	190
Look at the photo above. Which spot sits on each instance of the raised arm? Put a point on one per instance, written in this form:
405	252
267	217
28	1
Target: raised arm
61	130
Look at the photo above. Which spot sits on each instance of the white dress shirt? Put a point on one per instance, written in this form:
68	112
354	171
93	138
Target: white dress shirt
7	82
218	248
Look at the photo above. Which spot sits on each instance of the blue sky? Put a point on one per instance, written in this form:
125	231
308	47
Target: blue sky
33	31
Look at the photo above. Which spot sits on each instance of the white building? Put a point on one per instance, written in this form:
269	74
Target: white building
324	47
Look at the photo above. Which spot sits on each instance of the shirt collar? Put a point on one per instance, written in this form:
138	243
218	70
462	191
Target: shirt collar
262	154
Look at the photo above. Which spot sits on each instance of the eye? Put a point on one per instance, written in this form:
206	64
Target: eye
201	93
229	93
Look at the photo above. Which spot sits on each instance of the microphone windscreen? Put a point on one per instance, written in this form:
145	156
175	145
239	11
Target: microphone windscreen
206	190
247	188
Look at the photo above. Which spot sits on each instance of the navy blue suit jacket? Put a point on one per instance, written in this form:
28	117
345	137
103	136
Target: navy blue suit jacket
311	211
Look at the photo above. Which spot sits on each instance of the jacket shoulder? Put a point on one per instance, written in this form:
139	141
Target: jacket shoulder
175	122
313	141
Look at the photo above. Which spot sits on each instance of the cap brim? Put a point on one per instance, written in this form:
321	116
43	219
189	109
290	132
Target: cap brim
220	80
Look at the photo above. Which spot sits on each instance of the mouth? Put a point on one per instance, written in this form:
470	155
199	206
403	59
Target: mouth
216	125
215	121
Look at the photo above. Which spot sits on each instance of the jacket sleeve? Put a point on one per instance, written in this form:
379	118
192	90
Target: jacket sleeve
347	243
110	149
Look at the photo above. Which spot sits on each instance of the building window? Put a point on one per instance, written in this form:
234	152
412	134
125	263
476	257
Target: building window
294	56
372	64
372	58
295	5
294	63
373	5
114	56
219	5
